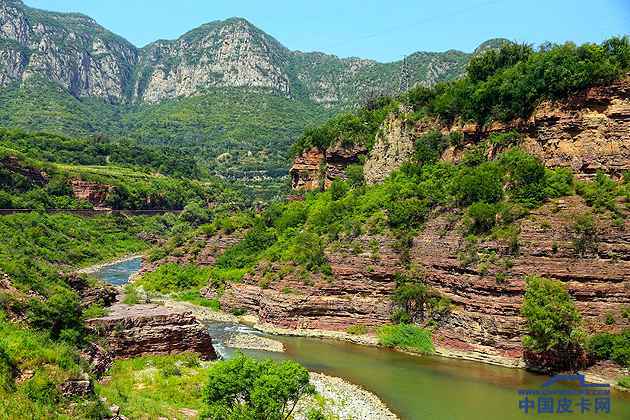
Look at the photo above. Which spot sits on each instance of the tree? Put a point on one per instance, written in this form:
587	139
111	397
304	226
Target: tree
552	319
244	388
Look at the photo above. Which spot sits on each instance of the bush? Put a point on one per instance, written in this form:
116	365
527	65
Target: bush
60	312
552	319
483	216
624	382
482	183
246	388
357	330
525	175
172	277
407	337
584	235
609	346
407	213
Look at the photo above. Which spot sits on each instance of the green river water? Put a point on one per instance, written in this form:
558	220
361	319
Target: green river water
427	387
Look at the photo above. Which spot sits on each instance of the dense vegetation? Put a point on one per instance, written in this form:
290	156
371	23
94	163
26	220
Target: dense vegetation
406	337
33	184
501	84
552	318
46	317
236	133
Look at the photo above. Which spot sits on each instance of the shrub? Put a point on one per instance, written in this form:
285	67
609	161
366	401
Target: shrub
246	388
525	175
172	277
624	382
355	175
407	213
483	216
584	235
601	193
611	346
481	183
552	319
357	330
407	337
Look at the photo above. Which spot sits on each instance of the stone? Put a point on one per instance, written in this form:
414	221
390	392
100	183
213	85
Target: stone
93	192
134	330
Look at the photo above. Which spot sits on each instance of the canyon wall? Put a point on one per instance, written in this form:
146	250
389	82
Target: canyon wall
588	132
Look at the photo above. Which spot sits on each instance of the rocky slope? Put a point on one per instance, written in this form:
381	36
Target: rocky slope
88	60
484	280
133	330
587	132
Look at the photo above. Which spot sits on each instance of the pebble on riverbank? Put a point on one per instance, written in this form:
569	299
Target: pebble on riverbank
253	342
343	400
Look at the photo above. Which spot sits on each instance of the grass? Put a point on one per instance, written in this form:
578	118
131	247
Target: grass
406	337
624	382
156	386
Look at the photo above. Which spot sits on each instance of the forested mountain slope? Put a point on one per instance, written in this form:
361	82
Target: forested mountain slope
226	92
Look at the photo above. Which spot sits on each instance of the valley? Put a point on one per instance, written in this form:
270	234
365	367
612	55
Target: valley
219	227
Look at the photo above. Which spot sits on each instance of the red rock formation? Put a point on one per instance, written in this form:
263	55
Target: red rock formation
587	132
484	322
134	330
314	169
34	175
93	192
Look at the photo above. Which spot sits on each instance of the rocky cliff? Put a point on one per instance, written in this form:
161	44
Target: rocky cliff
86	59
133	330
587	132
484	281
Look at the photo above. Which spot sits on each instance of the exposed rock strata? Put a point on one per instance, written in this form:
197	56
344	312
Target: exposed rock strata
93	192
484	323
587	132
133	330
314	169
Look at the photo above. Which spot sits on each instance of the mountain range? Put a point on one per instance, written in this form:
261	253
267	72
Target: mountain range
226	91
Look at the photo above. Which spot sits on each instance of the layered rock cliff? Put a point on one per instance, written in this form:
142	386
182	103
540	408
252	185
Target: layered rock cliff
134	330
484	281
587	132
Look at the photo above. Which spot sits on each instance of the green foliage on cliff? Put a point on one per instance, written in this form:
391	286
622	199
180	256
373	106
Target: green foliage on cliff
509	82
32	184
406	337
553	322
501	84
244	388
611	346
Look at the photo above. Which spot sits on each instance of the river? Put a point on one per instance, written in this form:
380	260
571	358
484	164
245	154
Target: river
427	387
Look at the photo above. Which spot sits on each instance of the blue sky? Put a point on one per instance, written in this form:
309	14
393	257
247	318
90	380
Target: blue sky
377	29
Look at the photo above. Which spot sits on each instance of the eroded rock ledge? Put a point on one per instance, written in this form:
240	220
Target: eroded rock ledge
134	330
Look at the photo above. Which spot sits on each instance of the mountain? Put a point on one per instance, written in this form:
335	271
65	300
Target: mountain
226	91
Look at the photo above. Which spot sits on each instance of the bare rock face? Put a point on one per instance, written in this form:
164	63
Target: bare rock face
93	192
315	169
587	132
34	175
70	49
80	387
228	54
394	146
485	282
133	330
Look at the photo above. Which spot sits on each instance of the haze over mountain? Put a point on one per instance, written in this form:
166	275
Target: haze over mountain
226	89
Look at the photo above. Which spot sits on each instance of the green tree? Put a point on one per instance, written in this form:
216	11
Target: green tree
552	319
244	388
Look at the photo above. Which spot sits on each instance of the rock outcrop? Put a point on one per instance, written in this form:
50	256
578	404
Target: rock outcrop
587	132
134	330
484	281
93	192
315	169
